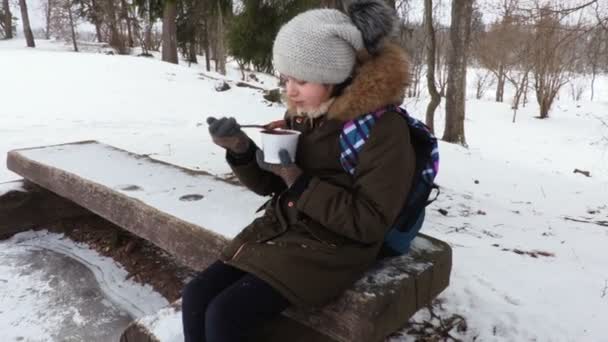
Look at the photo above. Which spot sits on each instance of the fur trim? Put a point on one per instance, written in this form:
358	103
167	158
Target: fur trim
319	111
378	81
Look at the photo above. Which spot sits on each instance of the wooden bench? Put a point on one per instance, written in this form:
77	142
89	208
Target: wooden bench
190	214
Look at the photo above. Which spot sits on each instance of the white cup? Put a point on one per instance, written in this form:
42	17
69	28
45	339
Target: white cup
282	139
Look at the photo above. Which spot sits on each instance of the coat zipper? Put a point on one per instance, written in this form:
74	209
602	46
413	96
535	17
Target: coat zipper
238	251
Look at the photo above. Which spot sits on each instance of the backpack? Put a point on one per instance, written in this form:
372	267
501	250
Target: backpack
409	221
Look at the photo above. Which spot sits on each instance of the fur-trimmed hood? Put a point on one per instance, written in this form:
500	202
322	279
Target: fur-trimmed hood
378	80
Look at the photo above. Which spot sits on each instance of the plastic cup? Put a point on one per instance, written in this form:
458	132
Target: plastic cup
275	140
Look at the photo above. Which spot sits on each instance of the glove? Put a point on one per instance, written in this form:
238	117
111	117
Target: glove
287	169
227	133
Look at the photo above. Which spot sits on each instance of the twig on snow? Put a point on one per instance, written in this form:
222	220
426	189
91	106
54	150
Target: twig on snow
599	223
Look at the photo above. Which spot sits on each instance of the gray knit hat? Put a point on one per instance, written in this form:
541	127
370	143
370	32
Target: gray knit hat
321	45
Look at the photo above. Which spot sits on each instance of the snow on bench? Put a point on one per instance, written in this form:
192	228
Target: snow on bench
191	215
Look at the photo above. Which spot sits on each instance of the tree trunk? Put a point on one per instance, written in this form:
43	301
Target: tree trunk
7	20
520	89
125	15
49	7
96	22
169	53
69	8
526	87
220	58
460	33
544	109
115	38
500	88
206	44
192	51
431	55
27	30
593	73
148	23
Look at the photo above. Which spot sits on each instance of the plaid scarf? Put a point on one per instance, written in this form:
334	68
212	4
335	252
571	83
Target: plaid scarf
356	132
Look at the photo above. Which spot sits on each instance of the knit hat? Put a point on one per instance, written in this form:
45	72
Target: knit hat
321	45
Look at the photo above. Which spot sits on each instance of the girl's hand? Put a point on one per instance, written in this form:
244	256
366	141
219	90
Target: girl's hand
287	170
227	133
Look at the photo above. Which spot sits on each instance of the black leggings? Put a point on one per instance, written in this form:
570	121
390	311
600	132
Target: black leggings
225	304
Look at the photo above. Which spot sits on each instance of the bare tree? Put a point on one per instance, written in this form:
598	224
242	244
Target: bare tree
62	21
483	80
554	56
597	47
411	38
518	61
577	88
519	78
27	29
431	47
558	43
460	37
495	49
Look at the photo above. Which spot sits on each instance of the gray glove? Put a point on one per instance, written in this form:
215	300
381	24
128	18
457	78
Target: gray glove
227	133
287	170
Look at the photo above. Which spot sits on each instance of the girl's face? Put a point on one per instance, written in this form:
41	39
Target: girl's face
306	96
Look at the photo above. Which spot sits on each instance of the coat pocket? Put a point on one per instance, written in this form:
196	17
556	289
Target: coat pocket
303	243
315	231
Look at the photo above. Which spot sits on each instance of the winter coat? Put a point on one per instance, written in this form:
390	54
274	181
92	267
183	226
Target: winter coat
318	237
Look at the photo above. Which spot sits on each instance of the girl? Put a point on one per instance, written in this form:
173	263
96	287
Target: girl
323	227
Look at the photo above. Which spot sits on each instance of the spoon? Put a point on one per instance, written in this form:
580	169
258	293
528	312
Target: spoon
256	126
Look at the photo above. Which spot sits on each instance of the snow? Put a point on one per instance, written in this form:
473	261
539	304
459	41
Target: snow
11	186
507	195
55	289
158	185
166	325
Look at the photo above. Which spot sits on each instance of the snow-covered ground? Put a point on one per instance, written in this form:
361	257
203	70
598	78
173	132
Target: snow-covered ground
52	289
521	272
